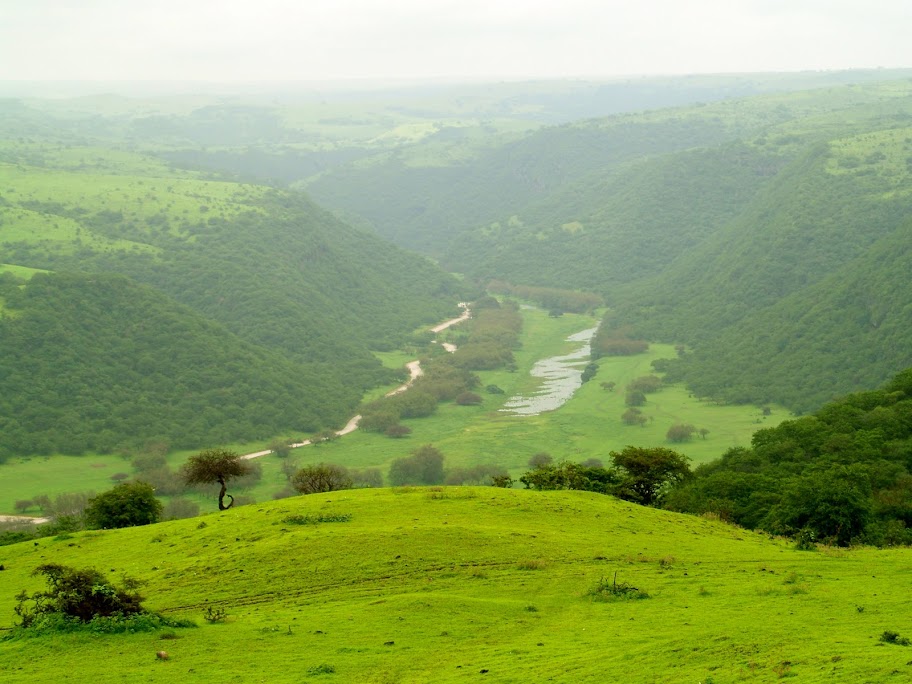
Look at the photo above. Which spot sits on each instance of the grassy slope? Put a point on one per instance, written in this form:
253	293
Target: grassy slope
426	585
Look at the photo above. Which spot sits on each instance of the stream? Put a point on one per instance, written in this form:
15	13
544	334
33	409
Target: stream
560	376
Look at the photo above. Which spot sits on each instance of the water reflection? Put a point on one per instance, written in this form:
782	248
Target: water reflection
561	377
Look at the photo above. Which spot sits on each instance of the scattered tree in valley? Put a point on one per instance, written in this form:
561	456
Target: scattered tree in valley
127	505
648	472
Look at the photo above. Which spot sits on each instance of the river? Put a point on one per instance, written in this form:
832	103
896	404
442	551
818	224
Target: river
560	377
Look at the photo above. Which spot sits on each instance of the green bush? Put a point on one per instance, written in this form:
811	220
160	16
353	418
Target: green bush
127	505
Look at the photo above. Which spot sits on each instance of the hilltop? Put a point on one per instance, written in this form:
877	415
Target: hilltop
448	584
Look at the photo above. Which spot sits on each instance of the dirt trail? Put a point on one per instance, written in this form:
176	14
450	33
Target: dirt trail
415	372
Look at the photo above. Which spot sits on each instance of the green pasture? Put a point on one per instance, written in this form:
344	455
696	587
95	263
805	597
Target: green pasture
471	584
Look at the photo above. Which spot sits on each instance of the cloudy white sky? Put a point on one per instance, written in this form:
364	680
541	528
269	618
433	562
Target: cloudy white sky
307	40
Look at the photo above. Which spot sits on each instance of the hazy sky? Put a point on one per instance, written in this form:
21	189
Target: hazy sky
253	40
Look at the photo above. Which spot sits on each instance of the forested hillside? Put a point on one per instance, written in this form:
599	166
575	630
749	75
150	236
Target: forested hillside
838	476
288	300
709	226
97	363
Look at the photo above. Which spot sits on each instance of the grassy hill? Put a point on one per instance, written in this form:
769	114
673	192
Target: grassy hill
461	584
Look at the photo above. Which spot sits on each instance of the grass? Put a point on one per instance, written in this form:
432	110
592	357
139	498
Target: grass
418	589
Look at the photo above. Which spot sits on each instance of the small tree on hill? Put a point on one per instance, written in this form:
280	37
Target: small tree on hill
127	505
215	465
647	473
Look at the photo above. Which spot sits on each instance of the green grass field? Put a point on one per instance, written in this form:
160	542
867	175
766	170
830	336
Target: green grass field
473	584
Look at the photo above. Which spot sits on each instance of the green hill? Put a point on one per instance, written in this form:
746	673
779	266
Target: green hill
97	362
271	267
459	584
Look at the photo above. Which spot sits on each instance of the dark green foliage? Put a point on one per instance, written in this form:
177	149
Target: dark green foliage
423	467
647	473
589	372
890	637
838	476
322	477
634	398
127	505
568	475
78	594
94	362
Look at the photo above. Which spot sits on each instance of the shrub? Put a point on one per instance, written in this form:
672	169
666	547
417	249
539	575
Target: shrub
502	481
493	389
127	505
424	466
612	591
398	431
468	399
680	432
366	477
540	460
646	384
634	416
476	475
634	398
80	595
889	637
179	508
322	477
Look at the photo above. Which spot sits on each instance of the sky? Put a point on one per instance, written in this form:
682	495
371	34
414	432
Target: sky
438	40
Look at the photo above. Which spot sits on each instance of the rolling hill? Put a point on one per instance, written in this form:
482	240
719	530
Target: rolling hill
460	584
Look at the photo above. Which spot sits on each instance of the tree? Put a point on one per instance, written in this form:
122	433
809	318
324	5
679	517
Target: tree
127	505
648	472
680	432
280	448
215	465
322	477
635	398
633	416
424	466
703	432
540	460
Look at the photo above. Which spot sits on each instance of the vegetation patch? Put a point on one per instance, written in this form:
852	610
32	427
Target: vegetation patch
317	519
610	590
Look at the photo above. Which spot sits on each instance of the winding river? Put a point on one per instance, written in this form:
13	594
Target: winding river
560	377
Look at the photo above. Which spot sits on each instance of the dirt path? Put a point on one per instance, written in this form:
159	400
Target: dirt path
415	372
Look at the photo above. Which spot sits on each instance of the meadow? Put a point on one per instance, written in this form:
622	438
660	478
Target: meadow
456	584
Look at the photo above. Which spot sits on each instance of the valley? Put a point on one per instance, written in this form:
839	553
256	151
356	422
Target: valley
605	380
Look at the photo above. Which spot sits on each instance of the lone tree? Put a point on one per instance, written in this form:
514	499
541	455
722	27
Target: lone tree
127	505
648	472
215	465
